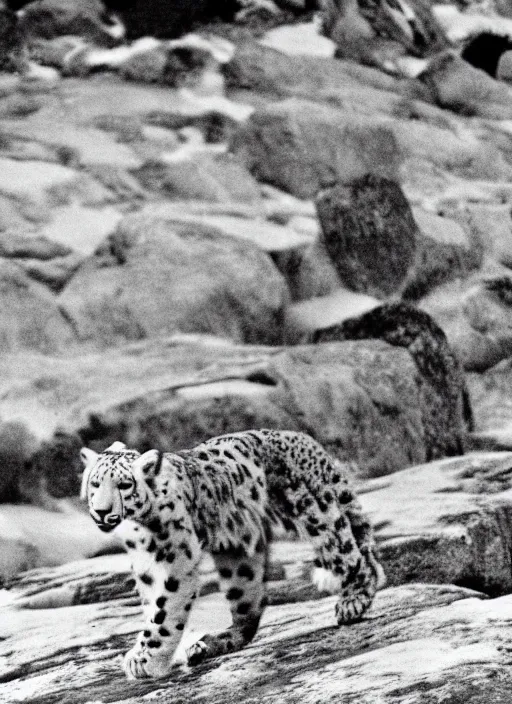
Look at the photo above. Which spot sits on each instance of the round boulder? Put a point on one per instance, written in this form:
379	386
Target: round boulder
156	276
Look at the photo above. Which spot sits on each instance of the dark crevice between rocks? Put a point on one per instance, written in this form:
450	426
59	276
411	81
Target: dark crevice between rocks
484	51
261	377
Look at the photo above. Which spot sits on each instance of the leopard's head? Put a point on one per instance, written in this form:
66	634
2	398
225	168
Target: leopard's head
113	486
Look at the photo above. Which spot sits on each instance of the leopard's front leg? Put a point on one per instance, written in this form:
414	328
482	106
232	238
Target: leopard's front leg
243	581
167	582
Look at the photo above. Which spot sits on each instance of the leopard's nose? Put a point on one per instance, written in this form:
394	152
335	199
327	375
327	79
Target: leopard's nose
102	513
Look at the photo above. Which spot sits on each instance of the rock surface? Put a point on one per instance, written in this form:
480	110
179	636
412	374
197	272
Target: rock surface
155	276
445	405
30	316
458	85
301	147
446	521
53	18
364	226
297	652
177	394
101	177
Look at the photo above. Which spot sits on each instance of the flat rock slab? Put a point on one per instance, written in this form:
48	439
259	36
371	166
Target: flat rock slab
32	537
266	235
416	638
446	521
175	395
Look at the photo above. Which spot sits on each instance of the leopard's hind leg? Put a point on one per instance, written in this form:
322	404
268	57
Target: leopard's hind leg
345	562
243	582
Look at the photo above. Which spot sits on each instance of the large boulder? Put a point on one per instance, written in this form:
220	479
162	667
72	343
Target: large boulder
446	521
477	349
487	305
154	276
301	146
360	399
370	234
46	19
476	316
445	251
17	444
455	84
381	246
270	71
491	225
490	394
445	406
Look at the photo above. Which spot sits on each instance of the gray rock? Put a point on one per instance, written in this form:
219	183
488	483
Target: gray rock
310	273
53	18
457	85
54	273
338	393
490	394
200	177
14	246
301	146
369	233
444	252
279	240
17	444
487	305
36	537
491	225
447	521
154	276
11	41
270	71
445	405
380	246
417	637
476	349
30	317
360	399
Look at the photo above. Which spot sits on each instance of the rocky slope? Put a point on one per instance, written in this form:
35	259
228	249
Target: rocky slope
177	220
438	525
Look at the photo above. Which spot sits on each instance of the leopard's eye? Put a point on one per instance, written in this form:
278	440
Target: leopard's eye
95	484
125	485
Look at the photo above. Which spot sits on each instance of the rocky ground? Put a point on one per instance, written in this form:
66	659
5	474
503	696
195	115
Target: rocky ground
177	222
439	525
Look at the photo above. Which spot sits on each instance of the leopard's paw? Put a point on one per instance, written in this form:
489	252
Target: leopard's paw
352	608
139	664
135	662
197	652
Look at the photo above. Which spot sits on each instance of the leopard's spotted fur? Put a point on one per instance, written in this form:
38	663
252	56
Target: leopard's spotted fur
224	496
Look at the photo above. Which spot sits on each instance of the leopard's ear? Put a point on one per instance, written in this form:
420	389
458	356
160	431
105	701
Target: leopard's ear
88	458
147	465
116	447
